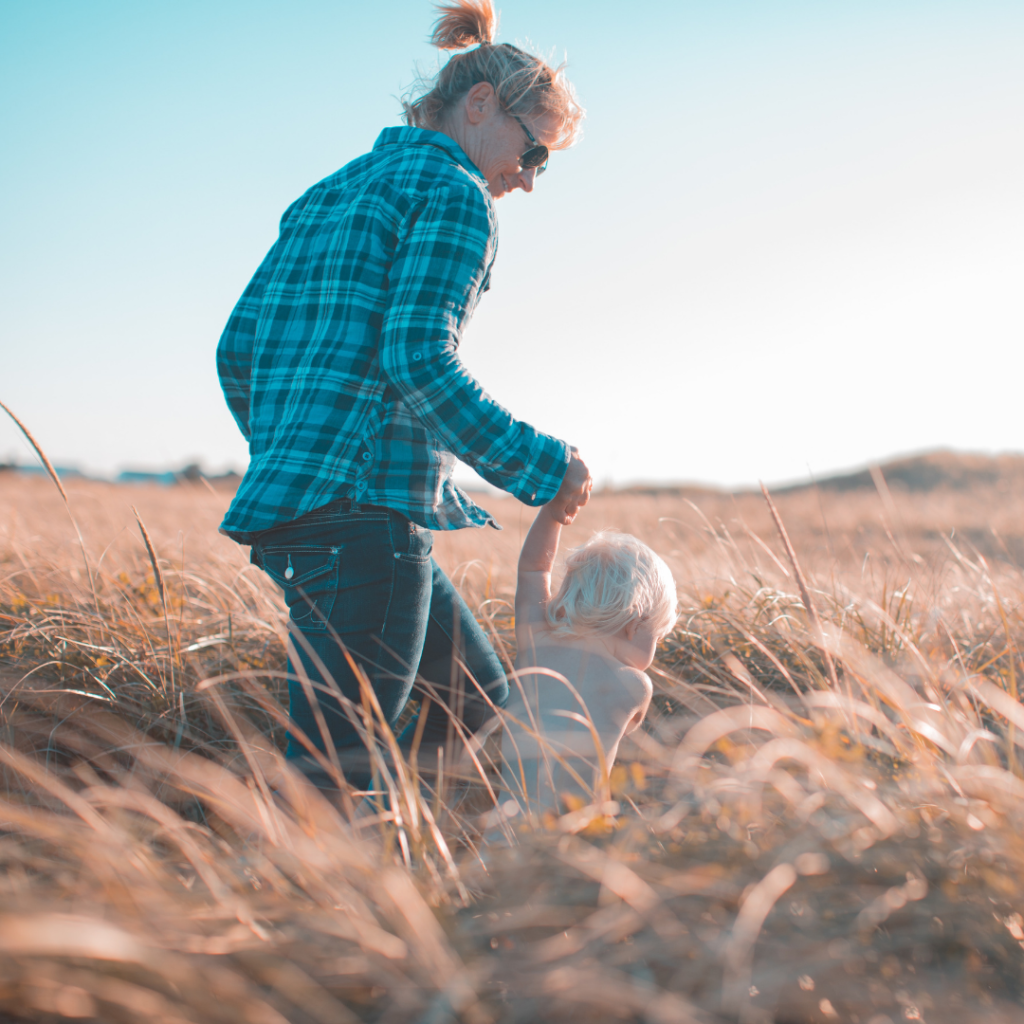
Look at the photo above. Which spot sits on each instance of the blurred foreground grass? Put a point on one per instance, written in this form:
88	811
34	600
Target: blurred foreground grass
818	823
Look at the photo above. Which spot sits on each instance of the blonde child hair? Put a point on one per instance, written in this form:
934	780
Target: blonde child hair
610	581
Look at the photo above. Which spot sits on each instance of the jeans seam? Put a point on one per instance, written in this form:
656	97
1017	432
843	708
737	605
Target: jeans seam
391	589
470	689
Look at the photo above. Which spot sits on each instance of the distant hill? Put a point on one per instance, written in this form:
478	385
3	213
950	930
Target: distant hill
939	470
932	471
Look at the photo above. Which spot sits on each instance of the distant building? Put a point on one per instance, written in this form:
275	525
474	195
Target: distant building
138	476
64	472
192	473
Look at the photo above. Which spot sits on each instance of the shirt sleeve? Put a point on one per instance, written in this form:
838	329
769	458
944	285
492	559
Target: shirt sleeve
440	267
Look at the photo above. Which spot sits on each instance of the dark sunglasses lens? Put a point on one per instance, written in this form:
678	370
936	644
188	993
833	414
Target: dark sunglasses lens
535	157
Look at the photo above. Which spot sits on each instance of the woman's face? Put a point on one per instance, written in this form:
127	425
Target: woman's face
494	140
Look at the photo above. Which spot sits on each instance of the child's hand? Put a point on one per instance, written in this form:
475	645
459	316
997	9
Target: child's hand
574	492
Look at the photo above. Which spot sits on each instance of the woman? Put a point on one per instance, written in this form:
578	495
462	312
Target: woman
340	364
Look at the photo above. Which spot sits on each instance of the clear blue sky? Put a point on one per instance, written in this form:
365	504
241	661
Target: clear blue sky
792	237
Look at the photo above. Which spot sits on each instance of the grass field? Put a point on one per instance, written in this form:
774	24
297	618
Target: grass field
820	821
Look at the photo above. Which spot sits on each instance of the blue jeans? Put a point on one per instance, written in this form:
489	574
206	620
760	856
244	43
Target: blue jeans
364	575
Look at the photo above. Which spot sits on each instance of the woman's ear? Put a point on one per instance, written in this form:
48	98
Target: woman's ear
480	102
630	628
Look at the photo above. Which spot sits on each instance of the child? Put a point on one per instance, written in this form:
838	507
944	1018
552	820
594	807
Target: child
580	683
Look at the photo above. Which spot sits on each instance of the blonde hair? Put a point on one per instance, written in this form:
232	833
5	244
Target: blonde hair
609	582
524	85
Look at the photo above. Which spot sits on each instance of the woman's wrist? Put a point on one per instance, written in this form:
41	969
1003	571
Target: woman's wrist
554	509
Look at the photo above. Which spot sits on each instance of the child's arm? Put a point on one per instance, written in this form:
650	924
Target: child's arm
644	692
533	587
536	560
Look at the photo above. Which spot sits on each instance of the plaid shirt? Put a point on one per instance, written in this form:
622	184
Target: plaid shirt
340	362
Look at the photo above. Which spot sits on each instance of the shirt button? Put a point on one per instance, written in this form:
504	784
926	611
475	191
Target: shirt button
367	456
416	357
533	497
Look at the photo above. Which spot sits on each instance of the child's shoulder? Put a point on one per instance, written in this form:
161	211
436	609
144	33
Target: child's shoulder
613	688
611	675
634	680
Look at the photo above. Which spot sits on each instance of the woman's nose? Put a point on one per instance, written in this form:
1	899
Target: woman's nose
526	178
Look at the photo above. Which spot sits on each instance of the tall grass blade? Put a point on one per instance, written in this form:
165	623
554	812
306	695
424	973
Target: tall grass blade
60	487
158	579
39	451
805	595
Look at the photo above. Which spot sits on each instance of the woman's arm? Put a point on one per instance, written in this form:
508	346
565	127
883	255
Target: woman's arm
435	280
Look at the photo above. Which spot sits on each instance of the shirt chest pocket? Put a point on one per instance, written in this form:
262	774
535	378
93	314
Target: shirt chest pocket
308	575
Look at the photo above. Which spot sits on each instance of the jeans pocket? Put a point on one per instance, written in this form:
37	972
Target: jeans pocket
308	575
420	546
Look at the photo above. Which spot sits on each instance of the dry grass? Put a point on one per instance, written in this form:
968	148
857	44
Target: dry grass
781	847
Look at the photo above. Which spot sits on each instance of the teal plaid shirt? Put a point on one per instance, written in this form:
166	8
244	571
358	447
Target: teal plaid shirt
340	362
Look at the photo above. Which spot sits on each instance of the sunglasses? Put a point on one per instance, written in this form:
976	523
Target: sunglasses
537	155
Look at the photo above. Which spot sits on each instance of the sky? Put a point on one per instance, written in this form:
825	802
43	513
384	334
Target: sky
790	242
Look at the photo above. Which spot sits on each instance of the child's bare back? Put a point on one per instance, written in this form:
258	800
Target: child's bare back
580	684
606	698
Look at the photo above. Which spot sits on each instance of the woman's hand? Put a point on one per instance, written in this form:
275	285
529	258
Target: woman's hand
574	492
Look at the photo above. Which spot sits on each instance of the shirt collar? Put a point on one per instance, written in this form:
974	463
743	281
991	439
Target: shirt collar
408	136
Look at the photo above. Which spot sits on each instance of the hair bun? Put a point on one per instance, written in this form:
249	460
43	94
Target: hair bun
523	84
464	23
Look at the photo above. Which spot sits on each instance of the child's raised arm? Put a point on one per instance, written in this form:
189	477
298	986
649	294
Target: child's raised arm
533	587
536	560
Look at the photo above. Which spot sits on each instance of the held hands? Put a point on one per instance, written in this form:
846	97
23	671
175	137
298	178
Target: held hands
574	492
